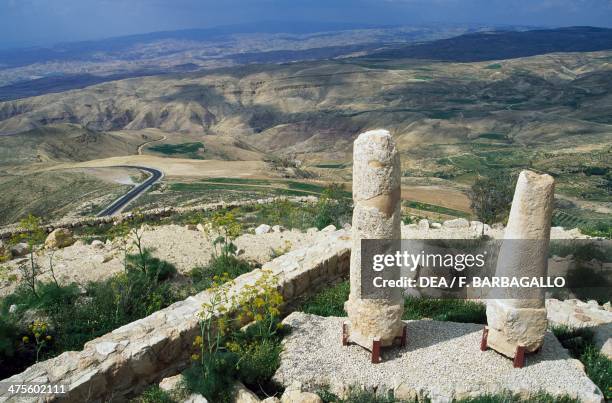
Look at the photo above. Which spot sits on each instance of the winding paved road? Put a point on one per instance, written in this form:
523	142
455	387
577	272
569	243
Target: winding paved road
136	191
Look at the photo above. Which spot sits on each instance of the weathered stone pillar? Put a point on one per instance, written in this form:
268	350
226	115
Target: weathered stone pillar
376	215
517	318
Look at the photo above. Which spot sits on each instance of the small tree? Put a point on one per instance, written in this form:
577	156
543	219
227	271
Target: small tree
491	196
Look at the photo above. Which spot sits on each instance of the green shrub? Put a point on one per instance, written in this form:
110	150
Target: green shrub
154	394
202	277
215	381
75	316
258	361
51	297
328	302
156	269
600	229
579	342
107	305
599	368
9	335
333	207
258	351
357	395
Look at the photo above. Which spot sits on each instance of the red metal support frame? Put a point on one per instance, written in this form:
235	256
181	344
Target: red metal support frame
519	357
376	351
483	341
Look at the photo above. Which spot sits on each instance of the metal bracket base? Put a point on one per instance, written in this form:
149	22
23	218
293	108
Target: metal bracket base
376	344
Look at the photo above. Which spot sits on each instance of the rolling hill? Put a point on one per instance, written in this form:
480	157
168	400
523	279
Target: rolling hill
452	120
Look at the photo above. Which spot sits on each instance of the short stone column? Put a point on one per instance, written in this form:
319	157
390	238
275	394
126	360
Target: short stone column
517	317
376	215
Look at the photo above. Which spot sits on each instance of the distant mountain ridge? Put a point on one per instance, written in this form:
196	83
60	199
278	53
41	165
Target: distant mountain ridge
497	45
83	50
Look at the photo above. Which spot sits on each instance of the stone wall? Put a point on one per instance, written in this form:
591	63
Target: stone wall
10	230
125	361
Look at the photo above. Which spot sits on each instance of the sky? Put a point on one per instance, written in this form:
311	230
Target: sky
44	22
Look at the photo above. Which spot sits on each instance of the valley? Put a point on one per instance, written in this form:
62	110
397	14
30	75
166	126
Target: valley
295	122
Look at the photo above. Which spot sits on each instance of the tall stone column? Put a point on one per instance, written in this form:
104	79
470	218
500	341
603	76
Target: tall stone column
517	318
376	215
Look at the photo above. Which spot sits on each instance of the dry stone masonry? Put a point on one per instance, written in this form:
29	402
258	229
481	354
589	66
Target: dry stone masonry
517	320
376	215
127	360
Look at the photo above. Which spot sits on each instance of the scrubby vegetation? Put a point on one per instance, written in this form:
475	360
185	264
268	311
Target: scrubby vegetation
225	353
580	344
47	318
491	196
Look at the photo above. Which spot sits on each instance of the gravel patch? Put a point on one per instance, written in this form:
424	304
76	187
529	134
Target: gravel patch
442	361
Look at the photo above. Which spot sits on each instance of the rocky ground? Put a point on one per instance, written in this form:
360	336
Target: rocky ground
433	365
185	247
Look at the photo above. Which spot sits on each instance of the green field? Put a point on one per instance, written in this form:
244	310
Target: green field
189	150
435	209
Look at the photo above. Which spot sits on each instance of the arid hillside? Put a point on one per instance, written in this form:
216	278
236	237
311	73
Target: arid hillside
452	120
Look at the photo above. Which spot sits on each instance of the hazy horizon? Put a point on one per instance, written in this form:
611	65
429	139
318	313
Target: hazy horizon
25	23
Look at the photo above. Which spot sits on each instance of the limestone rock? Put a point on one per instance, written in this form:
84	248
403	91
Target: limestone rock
436	225
21	249
405	393
296	396
97	258
171	383
97	244
243	395
457	223
423	225
262	229
278	228
271	400
59	238
329	228
195	398
606	349
106	347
